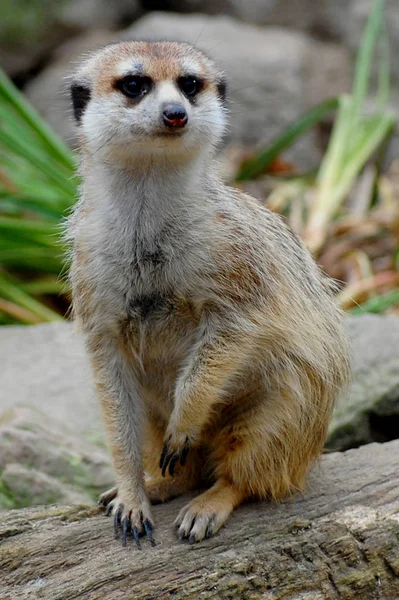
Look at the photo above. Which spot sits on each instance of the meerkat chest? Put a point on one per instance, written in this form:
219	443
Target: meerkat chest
146	284
149	289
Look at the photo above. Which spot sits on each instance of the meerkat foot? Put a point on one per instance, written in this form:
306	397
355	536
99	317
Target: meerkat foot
204	516
107	496
131	518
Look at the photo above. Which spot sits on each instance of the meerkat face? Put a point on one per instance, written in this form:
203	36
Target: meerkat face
138	98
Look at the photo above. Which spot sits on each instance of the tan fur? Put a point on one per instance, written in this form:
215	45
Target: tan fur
207	321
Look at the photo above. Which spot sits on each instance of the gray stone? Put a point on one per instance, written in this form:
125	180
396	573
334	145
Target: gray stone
97	14
21	487
371	410
45	367
324	18
29	31
44	460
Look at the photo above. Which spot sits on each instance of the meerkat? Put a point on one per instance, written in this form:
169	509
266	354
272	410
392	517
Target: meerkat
216	346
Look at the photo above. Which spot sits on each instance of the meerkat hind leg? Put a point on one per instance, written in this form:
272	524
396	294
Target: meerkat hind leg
161	490
205	515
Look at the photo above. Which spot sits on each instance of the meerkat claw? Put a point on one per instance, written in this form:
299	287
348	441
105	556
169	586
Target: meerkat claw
125	521
136	536
125	529
163	454
117	519
106	498
172	458
172	464
148	531
184	452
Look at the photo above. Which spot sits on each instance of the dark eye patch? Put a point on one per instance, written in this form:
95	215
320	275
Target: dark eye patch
134	86
80	95
222	89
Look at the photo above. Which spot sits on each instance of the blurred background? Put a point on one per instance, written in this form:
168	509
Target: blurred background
314	105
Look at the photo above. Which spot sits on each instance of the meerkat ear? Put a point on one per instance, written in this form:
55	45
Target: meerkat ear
222	89
80	94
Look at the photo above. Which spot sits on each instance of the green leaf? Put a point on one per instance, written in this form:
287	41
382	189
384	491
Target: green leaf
380	304
258	165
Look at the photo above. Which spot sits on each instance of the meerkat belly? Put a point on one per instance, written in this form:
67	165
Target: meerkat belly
161	332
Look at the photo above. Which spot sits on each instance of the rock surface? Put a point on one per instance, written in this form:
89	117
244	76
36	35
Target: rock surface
304	15
45	367
371	410
339	540
30	31
43	461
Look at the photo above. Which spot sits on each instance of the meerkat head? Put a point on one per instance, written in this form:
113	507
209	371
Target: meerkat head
139	98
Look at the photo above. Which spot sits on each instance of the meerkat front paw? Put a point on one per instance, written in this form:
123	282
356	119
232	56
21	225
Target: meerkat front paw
131	517
175	448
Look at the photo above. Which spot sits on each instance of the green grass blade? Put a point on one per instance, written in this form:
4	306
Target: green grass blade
372	138
384	74
41	287
258	165
19	147
11	291
337	147
28	225
379	304
365	57
9	92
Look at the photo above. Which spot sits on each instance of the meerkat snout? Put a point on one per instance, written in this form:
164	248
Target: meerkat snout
174	116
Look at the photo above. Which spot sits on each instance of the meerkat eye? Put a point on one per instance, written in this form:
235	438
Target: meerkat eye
133	86
190	86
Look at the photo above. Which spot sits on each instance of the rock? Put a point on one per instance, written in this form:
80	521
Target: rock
98	14
43	461
45	367
21	487
371	410
48	92
323	18
30	31
330	80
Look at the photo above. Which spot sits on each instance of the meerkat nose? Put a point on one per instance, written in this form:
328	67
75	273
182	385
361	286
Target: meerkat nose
174	115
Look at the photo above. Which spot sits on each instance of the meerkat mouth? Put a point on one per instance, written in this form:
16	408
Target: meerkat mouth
167	134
